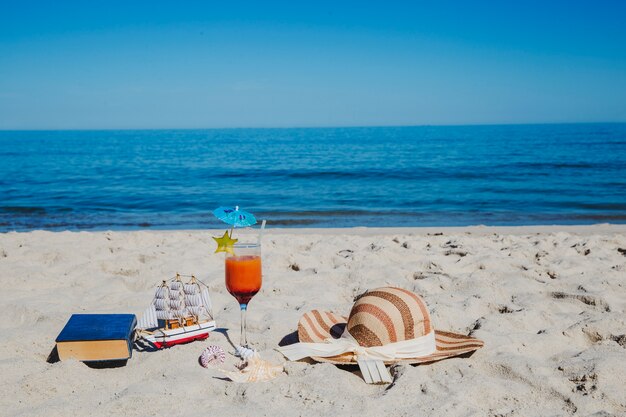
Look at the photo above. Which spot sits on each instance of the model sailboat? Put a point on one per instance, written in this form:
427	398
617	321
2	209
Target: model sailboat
179	313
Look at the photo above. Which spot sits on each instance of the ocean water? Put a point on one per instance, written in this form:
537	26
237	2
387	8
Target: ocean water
334	177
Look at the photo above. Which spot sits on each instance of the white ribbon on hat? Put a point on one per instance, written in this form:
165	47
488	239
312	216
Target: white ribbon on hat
371	360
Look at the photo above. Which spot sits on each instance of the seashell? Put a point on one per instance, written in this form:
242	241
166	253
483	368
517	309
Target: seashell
244	353
255	370
212	355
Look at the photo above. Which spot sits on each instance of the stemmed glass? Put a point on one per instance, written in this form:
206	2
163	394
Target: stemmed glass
243	278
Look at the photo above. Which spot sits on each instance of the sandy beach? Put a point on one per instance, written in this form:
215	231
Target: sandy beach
549	303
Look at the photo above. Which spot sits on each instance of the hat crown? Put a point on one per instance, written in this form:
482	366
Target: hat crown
388	315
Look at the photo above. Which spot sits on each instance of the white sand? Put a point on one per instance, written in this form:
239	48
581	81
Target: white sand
548	302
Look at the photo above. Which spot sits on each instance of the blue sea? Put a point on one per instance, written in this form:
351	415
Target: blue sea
330	177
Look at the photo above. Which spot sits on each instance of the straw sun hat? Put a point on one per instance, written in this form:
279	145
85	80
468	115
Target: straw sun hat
386	326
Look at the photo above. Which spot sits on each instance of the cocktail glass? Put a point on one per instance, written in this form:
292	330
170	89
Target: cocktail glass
243	278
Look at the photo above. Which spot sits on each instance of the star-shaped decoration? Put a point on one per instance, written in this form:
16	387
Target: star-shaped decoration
225	243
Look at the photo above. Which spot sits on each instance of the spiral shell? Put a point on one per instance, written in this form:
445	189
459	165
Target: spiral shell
212	355
244	353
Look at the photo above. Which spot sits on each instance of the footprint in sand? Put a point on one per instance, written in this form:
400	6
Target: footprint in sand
587	299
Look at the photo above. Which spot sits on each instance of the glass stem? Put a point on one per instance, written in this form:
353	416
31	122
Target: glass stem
243	340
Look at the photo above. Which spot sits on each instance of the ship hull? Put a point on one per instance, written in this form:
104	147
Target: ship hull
162	338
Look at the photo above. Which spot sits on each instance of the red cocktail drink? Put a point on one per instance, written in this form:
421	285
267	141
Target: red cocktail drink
243	277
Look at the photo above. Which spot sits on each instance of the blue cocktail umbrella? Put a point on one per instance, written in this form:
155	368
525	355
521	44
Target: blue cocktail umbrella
235	216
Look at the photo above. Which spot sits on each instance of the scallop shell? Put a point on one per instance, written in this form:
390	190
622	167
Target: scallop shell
212	355
255	369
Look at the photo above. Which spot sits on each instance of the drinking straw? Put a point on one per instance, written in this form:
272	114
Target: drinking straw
262	229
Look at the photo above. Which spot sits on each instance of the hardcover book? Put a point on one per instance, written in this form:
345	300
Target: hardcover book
97	337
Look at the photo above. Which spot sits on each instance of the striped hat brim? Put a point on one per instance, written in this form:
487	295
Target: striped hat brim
317	326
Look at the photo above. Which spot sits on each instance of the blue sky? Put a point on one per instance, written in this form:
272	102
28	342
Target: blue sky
78	65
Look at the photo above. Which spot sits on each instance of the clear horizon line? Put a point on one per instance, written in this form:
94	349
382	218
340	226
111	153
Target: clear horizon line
307	126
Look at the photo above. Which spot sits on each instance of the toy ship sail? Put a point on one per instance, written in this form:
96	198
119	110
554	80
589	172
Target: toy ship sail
180	312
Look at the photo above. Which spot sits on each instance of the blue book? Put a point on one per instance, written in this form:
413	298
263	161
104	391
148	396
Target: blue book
97	337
